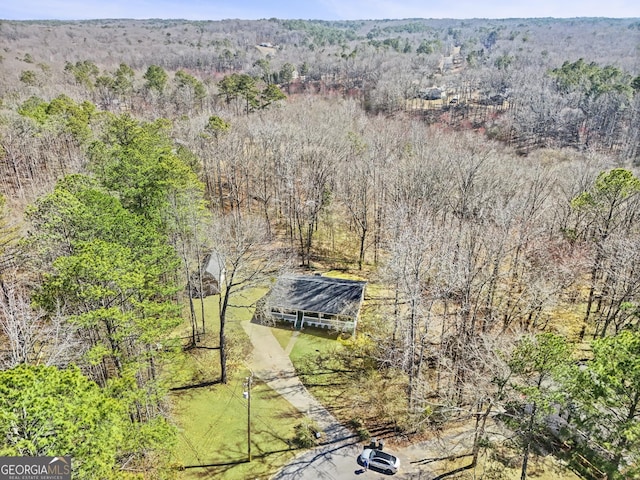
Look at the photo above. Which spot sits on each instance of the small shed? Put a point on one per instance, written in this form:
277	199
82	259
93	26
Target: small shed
313	300
212	271
216	268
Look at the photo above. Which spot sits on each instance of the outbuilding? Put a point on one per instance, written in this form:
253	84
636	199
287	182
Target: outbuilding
212	271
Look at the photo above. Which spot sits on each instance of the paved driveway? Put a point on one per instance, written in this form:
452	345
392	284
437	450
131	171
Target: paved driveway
339	462
337	457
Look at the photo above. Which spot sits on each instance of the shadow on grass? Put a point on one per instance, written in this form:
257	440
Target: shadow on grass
292	414
426	461
198	346
232	463
219	464
195	385
454	472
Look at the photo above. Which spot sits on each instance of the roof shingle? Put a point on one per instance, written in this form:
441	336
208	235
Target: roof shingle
318	294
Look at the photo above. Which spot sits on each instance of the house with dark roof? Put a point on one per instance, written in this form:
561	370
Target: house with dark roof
313	300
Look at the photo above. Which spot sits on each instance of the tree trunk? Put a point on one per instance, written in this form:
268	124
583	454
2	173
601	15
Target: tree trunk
363	236
527	446
479	434
223	303
200	266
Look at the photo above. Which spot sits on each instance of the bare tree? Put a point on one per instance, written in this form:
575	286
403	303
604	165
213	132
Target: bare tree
409	268
242	246
188	223
610	206
31	335
355	189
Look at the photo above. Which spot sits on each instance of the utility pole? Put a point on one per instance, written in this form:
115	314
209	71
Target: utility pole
247	395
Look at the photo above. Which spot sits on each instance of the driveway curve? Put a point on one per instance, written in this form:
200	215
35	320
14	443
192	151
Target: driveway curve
339	449
336	457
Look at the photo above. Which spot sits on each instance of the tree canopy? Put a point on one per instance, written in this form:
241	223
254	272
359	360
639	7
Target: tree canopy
591	79
156	78
46	411
137	161
607	394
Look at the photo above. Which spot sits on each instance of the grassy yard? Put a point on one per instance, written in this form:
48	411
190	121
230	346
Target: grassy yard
313	342
283	333
212	419
213	431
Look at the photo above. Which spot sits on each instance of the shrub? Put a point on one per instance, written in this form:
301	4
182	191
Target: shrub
358	425
306	434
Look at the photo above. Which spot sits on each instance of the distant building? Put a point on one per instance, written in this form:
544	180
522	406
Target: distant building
431	94
311	300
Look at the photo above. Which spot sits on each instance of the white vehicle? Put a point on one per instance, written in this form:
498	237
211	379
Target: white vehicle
379	460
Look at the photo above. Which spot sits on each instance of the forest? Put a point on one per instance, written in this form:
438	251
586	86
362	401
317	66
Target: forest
481	176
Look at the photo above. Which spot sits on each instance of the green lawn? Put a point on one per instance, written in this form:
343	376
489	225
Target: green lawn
283	333
196	365
311	343
336	385
212	420
213	431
